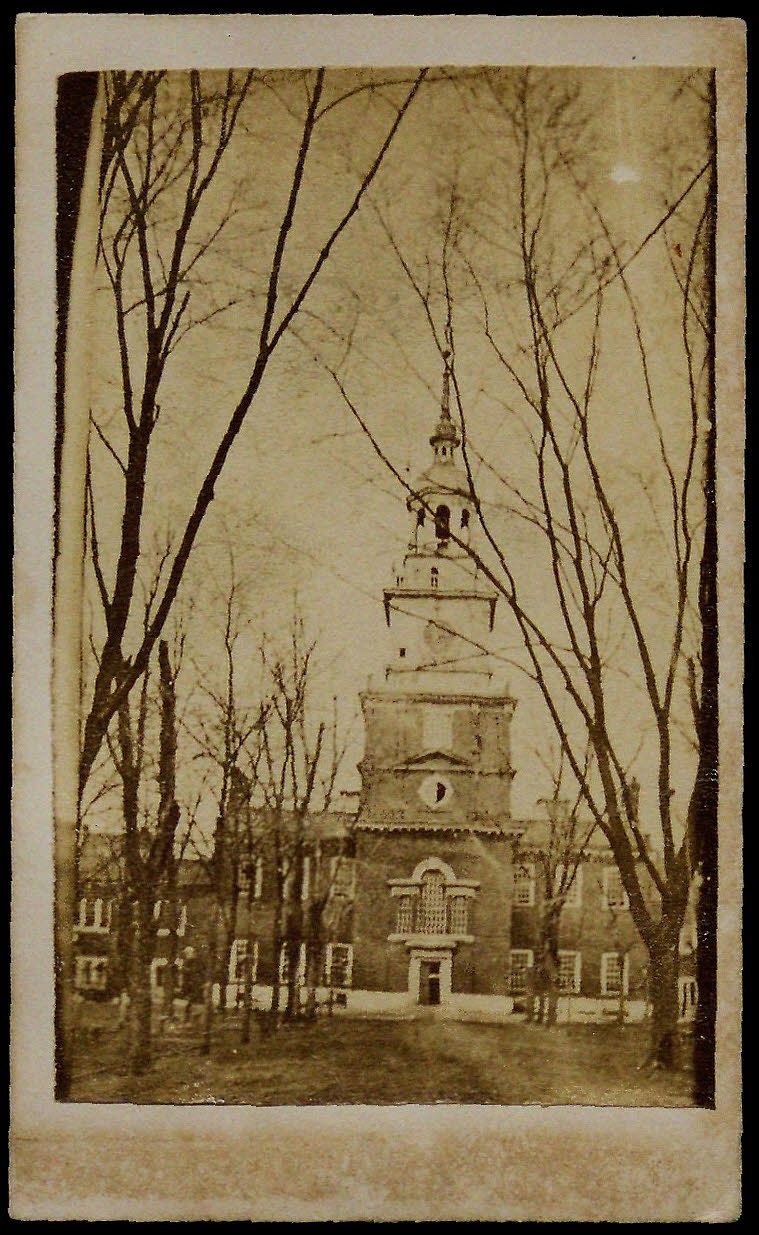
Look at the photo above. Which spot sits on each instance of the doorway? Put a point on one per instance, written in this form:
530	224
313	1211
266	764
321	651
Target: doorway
429	983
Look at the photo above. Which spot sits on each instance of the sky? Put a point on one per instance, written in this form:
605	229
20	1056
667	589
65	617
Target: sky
304	506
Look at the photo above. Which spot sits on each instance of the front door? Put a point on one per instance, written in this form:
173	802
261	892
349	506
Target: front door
429	982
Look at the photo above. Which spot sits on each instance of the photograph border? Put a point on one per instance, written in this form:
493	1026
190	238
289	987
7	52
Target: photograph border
381	1163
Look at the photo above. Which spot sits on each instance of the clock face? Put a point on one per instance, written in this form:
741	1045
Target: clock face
437	637
436	791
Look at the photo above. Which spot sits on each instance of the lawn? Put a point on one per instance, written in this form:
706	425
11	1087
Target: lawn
374	1061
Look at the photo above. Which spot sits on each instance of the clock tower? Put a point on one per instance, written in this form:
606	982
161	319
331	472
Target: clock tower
434	826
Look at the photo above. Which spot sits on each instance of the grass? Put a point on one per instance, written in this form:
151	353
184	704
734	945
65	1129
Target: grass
344	1060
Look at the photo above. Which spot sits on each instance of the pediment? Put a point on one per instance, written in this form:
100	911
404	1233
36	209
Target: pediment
434	760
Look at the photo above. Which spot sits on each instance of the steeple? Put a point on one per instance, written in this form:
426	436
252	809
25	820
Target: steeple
446	436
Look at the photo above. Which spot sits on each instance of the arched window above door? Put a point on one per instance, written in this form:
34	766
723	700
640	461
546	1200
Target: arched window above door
432	902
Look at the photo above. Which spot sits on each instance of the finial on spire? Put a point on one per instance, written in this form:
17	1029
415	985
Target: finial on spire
445	432
446	386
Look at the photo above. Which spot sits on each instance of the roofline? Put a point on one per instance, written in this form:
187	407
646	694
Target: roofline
414	593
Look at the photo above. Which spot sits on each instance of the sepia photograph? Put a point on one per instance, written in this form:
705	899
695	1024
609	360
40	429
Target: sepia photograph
387	657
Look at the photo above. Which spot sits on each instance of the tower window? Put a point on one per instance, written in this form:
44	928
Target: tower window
402	652
433	905
440	791
442	523
434	577
465	518
420	518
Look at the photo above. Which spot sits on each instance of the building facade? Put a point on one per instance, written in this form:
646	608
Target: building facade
434	839
434	892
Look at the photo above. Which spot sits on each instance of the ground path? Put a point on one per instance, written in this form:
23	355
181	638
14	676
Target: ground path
352	1060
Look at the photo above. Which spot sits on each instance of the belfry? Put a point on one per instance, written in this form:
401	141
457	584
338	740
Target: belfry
433	835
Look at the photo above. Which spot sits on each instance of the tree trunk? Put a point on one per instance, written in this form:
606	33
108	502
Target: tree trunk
247	995
549	966
292	1007
552	994
274	1006
312	977
295	932
211	971
172	950
141	1055
663	974
224	964
622	1005
248	968
123	963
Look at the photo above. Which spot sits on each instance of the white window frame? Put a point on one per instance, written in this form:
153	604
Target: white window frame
526	952
163	931
305	886
301	963
83	965
233	960
576	976
98	925
529	883
328	964
574	895
334	867
258	878
624	969
157	963
609	871
687	983
157	911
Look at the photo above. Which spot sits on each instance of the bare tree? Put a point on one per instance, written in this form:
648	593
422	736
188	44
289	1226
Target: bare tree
595	617
223	731
149	838
558	854
299	767
165	138
165	142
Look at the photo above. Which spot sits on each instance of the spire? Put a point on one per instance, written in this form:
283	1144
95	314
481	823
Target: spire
446	433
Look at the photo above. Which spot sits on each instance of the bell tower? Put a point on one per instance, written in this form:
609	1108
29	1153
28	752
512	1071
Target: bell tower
437	748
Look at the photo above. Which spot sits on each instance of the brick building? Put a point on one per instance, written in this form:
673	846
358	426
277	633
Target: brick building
433	886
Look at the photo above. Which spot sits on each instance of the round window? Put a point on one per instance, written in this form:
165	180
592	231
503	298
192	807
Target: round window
436	791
